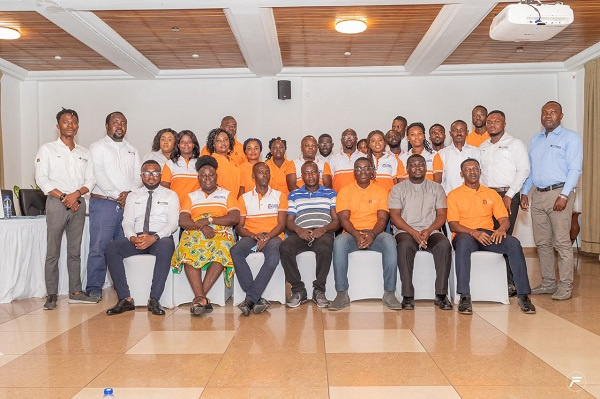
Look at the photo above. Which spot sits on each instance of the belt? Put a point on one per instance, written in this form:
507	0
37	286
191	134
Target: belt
552	187
500	189
104	197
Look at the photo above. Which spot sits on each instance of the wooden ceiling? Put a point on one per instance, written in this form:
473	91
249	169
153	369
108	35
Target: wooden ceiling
41	41
307	35
202	32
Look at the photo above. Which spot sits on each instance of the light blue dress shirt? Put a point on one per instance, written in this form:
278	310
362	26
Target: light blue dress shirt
555	159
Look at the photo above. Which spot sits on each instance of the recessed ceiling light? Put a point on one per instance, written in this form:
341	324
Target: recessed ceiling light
195	56
519	49
57	57
347	53
351	26
175	29
9	33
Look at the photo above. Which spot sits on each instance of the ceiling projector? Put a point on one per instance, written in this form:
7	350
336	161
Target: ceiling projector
527	22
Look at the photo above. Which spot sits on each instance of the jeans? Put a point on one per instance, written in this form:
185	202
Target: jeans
345	243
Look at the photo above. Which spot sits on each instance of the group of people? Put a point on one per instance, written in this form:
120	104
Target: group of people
396	197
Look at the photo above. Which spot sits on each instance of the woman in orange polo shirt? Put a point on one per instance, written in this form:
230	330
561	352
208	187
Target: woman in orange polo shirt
278	163
179	173
252	149
220	144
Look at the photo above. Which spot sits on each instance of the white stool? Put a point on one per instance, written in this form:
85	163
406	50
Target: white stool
365	275
307	265
139	270
488	278
182	290
275	290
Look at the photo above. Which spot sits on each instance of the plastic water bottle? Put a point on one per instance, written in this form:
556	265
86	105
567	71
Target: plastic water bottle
108	393
7	205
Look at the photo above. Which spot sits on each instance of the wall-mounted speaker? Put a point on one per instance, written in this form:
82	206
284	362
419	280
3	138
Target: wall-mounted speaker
284	89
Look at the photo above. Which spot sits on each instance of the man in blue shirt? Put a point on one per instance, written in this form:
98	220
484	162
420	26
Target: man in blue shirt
556	155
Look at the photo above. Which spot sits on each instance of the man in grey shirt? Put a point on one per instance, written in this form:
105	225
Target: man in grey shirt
418	211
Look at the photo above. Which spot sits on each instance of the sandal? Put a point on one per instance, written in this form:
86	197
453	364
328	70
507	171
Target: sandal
197	308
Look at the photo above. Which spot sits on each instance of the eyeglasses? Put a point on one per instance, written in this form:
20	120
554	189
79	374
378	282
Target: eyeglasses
363	168
148	174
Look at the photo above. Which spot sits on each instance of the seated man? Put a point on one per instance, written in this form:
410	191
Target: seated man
470	210
262	220
418	211
363	213
312	221
150	218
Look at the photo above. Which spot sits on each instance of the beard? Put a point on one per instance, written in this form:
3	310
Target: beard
152	187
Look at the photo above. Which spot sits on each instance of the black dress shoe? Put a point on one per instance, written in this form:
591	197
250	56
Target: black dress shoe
155	307
526	305
122	306
465	306
245	306
408	303
443	302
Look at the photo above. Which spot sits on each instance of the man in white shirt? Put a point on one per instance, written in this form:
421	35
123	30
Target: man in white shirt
151	217
454	154
504	168
325	144
116	166
64	172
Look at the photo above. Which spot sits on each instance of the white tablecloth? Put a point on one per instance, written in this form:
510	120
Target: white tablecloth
22	258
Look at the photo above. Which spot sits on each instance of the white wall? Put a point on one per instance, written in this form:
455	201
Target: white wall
318	105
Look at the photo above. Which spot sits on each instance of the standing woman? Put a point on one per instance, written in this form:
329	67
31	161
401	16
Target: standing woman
252	149
179	173
419	145
385	164
208	216
277	163
162	146
220	144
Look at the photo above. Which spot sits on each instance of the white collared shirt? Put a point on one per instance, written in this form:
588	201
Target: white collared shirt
504	164
325	159
117	167
451	159
57	167
164	213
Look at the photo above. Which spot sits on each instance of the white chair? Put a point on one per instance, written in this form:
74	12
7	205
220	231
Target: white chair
488	278
182	290
139	270
275	290
365	275
307	265
424	277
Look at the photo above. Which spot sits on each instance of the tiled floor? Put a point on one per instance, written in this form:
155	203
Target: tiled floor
364	351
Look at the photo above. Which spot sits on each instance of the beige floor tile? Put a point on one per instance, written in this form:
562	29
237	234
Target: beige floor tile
53	371
5	317
587	320
182	342
272	370
568	339
140	319
519	392
383	369
581	361
364	320
44	322
299	392
404	392
23	306
371	341
366	305
142	393
593	390
19	342
157	371
45	393
184	321
5	359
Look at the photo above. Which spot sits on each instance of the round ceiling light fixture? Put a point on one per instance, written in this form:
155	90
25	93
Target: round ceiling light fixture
9	33
351	26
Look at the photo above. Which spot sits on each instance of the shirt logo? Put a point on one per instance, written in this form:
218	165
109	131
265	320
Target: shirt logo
272	206
387	165
488	202
220	197
83	159
555	146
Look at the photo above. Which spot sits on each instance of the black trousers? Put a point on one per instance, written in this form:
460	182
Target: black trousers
512	218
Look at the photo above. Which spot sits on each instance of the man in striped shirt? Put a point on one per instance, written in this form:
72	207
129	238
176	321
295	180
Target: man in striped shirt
312	221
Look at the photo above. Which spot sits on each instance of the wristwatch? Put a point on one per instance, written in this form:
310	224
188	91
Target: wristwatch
156	236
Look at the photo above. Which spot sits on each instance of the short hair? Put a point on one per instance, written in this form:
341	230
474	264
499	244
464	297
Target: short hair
349	131
496	111
459	121
66	111
324	135
310	136
362	141
150	162
226	118
212	136
439	125
415	156
195	151
113	113
274	139
401	119
260	163
482	107
470	160
557	103
156	140
362	159
206	160
418	124
309	163
247	141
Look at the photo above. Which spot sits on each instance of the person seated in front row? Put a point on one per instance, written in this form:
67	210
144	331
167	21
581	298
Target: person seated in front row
150	218
362	210
312	222
470	210
418	211
208	216
262	220
309	149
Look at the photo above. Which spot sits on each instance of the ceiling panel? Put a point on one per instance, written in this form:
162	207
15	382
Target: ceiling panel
307	36
41	41
584	32
202	32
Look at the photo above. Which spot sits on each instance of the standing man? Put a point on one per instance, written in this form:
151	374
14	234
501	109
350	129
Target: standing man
470	211
229	124
64	172
362	210
116	166
397	142
262	220
325	148
453	155
309	149
556	156
312	221
342	163
437	136
149	221
479	133
504	168
418	212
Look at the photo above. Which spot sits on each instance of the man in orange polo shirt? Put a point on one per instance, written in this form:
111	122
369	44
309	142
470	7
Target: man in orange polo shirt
229	124
470	210
362	210
262	220
479	133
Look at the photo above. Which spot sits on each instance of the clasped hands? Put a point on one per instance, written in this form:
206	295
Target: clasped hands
142	241
486	239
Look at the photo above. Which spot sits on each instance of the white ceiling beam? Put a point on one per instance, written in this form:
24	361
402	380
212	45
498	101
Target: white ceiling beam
8	68
256	35
450	28
86	27
578	60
